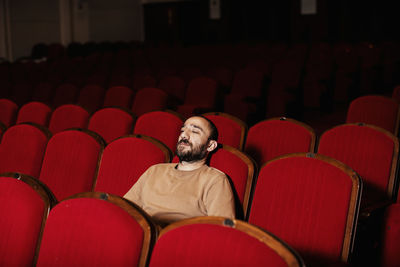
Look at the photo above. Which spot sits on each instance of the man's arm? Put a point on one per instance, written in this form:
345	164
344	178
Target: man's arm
219	200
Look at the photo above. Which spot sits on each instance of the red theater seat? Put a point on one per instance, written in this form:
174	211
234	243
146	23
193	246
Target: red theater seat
68	116
36	112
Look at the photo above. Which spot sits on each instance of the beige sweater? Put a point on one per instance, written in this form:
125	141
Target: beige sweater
168	194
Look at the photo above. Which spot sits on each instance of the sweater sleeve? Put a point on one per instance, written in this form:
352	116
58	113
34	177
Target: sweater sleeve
219	199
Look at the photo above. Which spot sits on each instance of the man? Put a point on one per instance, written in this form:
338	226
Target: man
170	192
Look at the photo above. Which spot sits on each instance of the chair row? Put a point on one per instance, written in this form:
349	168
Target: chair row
310	201
40	232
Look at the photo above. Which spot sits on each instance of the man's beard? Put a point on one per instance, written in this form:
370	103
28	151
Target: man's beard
194	154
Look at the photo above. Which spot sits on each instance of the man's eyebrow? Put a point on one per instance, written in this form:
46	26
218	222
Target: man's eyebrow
194	126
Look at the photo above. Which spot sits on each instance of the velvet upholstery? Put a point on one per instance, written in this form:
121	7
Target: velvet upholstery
68	116
162	125
149	99
22	149
36	112
91	97
377	110
94	230
391	237
240	169
70	162
8	111
111	123
119	96
23	211
125	159
278	136
65	93
214	241
232	131
311	202
370	151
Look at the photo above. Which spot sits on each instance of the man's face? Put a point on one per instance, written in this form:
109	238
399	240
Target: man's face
193	140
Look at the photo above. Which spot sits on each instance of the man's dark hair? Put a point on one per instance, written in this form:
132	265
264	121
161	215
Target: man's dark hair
213	129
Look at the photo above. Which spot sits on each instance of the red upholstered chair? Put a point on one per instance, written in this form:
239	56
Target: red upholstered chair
216	241
175	87
232	131
377	110
96	229
8	111
201	96
149	99
369	150
390	248
24	205
65	94
70	162
111	123
22	149
240	168
396	93
119	96
125	159
278	136
68	116
164	126
91	97
310	201
36	112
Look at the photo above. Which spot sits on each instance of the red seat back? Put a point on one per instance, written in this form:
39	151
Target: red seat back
68	116
311	202
24	206
8	111
377	110
71	161
371	151
120	96
149	99
162	125
111	123
391	236
125	159
22	149
215	241
278	136
36	112
91	97
72	231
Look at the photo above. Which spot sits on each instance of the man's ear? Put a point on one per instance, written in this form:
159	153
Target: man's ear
212	144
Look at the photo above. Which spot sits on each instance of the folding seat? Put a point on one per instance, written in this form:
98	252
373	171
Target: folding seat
278	136
241	170
390	247
22	149
201	96
68	116
164	126
149	99
119	96
216	241
36	112
91	97
310	201
70	162
8	111
125	159
65	94
24	205
74	226
232	131
377	110
111	123
369	150
175	87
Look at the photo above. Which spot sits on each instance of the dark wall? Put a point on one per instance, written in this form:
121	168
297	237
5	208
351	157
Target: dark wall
280	20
